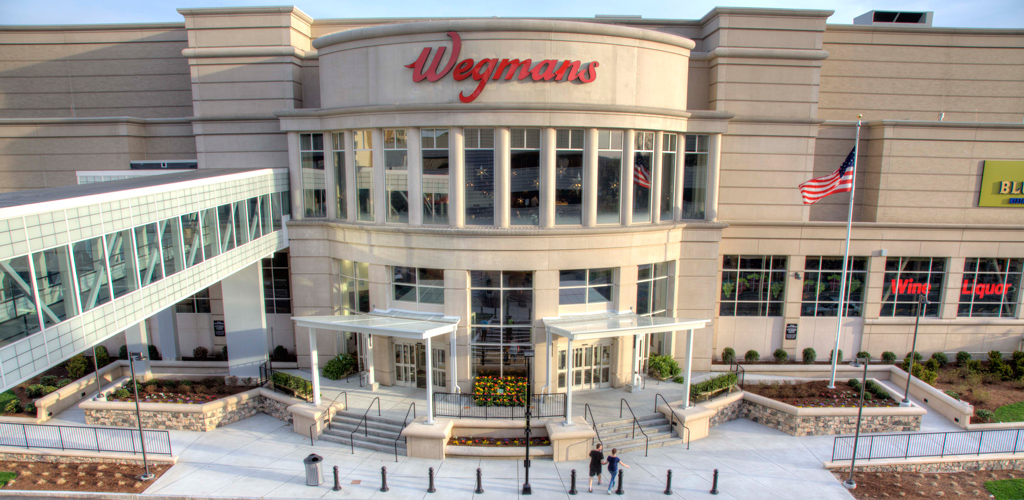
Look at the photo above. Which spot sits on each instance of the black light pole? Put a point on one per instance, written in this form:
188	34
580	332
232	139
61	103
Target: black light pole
849	483
921	303
132	358
527	489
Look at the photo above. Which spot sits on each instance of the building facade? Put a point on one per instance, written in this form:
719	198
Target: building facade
505	171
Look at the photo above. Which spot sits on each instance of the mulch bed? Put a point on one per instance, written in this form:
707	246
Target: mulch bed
97	477
924	485
980	390
211	392
816	394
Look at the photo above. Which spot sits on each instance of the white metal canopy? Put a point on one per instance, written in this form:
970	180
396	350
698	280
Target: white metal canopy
616	324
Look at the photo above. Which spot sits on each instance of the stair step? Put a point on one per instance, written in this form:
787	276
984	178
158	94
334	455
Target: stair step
640	447
385	448
372	437
644	419
345	421
657	427
372	416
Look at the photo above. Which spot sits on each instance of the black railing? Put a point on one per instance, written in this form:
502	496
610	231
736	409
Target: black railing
412	408
363	421
741	374
462	405
636	424
674	420
326	415
588	411
929	444
98	439
267	378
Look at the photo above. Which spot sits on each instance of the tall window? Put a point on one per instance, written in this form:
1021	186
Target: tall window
569	177
695	177
585	286
422	285
362	145
340	183
609	176
434	146
147	245
18	314
907	279
652	293
753	285
314	193
643	161
198	303
991	288
91	267
170	244
355	287
479	146
525	177
277	297
396	174
122	265
669	146
822	279
55	284
501	314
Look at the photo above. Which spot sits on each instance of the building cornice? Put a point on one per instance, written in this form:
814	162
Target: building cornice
279	51
219	11
863	28
497	107
510	231
755	53
875	225
765	12
93	27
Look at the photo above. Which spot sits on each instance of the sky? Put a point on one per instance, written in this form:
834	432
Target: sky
952	13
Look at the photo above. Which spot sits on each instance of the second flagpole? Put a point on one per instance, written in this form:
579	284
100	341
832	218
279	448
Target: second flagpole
846	259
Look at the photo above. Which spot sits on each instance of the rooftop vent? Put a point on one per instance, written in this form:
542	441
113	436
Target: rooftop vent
894	18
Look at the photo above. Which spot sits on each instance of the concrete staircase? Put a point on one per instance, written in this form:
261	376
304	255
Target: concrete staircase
619	434
376	433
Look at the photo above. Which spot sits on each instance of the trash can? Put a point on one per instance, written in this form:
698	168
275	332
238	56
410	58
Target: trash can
314	470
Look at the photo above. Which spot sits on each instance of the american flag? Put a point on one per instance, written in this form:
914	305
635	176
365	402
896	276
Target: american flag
840	181
641	177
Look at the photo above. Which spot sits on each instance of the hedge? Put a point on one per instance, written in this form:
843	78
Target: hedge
715	384
298	385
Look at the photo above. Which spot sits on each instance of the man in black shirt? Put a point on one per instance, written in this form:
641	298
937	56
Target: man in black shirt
596	460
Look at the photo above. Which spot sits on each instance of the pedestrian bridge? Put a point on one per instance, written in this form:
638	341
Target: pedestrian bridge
79	264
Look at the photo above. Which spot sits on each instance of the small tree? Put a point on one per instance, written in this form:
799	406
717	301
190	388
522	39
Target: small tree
810	356
889	357
77	366
864	354
941	358
781	356
962	358
751	356
838	359
728	355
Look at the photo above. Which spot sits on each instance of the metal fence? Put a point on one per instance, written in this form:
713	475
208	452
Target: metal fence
929	444
449	404
99	439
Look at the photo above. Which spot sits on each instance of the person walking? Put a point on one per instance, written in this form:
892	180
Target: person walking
613	468
596	461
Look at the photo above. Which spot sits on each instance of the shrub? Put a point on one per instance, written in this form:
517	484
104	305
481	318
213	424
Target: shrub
839	359
34	391
917	356
995	357
981	397
889	357
810	356
926	376
152	388
728	355
932	364
102	356
12	406
661	367
76	366
224	352
48	389
200	352
1004	372
868	396
751	356
123	352
64	381
200	389
974	366
679	380
122	393
48	380
184	383
984	414
941	358
169	384
864	354
723	381
154	354
781	356
184	389
854	384
29	408
298	385
341	365
280	353
962	358
952	394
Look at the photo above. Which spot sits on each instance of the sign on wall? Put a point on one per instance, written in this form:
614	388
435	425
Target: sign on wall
487	69
791	331
1002	184
218	328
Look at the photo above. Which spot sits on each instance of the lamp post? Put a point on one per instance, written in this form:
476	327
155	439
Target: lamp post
132	358
921	303
528	354
849	483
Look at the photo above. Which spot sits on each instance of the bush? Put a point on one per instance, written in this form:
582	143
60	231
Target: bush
29	408
184	383
661	367
280	353
926	376
154	354
123	352
932	364
341	365
76	366
224	352
12	406
64	381
876	389
751	356
810	356
781	356
298	385
839	359
854	384
1018	357
1005	372
974	366
962	358
864	354
917	356
122	393
728	355
952	394
48	380
889	357
723	381
941	358
679	380
981	397
6	397
200	352
34	391
102	356
984	414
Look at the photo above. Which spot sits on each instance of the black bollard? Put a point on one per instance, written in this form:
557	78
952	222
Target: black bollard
714	484
619	490
337	482
668	482
384	479
479	482
572	483
430	487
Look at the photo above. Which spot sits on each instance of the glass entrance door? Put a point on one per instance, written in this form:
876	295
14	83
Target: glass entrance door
591	366
353	343
406	356
411	365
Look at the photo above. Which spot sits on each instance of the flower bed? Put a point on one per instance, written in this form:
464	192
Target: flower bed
172	391
816	394
499	391
471	441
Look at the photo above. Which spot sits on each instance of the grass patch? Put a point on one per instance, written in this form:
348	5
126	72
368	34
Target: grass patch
1006	489
6	477
1010	413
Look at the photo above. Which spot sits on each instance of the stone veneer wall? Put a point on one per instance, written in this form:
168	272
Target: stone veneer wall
201	418
274	408
816	425
64	459
949	464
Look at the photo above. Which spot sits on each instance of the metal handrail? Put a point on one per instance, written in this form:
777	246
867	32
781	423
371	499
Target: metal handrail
741	374
363	420
81	438
586	410
673	418
636	423
957	441
327	415
412	408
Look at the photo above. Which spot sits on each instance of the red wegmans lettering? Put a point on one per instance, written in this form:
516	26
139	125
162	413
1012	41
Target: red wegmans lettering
546	70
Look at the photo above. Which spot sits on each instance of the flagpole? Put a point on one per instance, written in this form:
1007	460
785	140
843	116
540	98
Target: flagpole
846	258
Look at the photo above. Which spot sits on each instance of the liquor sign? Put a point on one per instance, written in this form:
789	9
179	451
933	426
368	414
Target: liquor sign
484	70
1002	184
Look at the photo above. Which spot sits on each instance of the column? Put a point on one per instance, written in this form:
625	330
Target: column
430	382
636	379
371	376
714	171
295	175
453	372
330	184
314	366
502	176
414	171
656	179
627	177
245	321
351	202
677	199
688	372
590	178
568	384
381	204
167	327
137	339
547	177
457	177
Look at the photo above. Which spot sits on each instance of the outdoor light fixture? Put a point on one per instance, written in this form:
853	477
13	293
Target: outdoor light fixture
132	358
849	483
528	354
921	303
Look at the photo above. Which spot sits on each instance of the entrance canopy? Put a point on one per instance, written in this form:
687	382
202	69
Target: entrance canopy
616	324
391	323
